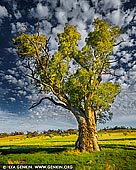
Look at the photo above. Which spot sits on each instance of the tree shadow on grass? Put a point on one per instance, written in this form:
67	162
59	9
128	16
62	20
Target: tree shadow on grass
117	146
32	149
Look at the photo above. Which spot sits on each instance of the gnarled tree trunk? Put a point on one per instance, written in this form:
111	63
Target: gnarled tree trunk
87	138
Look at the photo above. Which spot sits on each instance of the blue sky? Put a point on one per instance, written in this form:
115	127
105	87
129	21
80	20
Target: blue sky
16	92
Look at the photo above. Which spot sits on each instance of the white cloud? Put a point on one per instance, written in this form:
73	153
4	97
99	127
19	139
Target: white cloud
18	27
115	17
21	92
11	79
42	11
68	5
81	28
85	6
45	28
59	28
20	83
11	71
128	16
3	12
12	99
114	4
61	16
54	44
11	50
17	14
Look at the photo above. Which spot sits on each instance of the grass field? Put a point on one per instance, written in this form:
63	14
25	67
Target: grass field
118	151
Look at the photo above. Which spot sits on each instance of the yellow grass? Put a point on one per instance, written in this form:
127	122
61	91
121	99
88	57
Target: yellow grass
104	137
39	140
122	138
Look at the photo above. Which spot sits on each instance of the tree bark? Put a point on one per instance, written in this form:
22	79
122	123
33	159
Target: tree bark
87	138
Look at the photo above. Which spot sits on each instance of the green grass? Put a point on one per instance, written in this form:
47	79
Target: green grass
118	151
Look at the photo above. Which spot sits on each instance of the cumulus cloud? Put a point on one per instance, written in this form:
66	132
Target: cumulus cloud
3	12
18	27
12	99
61	16
42	11
57	29
11	79
111	4
68	5
115	17
45	27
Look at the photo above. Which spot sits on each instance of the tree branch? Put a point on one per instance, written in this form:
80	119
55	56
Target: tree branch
35	47
52	100
119	42
27	66
109	72
113	61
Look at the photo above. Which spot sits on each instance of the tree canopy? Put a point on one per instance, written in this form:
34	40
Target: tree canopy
73	75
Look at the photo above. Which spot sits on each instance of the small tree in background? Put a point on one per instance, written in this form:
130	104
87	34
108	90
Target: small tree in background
74	76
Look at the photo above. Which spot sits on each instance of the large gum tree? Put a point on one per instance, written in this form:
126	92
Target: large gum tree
74	76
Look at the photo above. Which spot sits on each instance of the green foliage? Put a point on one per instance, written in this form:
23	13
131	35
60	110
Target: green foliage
103	38
104	95
68	41
30	45
54	73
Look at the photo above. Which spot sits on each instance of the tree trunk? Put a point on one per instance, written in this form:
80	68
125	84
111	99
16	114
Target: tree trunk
87	138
